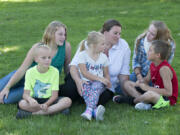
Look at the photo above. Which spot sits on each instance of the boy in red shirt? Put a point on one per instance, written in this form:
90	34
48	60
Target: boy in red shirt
165	84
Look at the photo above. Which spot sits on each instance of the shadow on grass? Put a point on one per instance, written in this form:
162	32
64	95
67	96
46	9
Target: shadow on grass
14	1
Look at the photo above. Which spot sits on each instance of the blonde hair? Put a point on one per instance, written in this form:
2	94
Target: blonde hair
40	46
92	39
49	33
163	33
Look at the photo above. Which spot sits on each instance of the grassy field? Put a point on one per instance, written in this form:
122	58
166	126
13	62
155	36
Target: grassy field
22	23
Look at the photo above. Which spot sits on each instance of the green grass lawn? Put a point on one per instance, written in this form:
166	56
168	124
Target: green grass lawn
22	23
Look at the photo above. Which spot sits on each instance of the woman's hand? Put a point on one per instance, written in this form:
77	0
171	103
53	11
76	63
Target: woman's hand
4	93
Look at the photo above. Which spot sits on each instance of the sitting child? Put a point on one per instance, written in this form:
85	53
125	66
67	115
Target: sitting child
41	87
165	89
93	66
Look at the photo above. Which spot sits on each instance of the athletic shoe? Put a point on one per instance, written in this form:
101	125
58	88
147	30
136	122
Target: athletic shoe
100	110
123	99
161	103
22	114
87	115
117	99
143	106
65	111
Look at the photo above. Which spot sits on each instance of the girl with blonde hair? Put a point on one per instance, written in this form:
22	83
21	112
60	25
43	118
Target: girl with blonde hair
55	35
93	67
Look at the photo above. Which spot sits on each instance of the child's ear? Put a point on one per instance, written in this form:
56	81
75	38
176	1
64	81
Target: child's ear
158	55
36	59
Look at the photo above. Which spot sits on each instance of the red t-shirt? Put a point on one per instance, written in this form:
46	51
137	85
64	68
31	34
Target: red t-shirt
158	82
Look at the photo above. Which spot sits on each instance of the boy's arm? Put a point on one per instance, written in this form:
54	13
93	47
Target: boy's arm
147	78
27	97
52	98
166	76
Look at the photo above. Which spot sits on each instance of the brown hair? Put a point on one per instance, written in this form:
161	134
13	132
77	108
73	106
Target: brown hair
163	48
49	33
163	33
109	24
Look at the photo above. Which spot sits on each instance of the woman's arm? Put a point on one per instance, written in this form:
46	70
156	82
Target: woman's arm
124	72
122	79
76	77
173	47
136	60
67	58
19	73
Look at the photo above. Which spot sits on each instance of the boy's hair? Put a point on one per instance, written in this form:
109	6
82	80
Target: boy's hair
162	47
49	33
39	46
93	38
109	24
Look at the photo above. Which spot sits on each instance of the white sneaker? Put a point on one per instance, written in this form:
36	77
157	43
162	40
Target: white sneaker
100	112
86	115
143	106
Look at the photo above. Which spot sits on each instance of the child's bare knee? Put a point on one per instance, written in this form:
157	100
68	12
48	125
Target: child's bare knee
151	94
127	84
22	103
67	101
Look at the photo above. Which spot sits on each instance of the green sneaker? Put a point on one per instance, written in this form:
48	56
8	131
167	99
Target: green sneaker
161	103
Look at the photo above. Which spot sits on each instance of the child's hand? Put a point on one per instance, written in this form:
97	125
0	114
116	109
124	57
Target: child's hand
140	78
44	107
106	82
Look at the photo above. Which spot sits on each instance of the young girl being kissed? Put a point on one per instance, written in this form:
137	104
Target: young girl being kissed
93	67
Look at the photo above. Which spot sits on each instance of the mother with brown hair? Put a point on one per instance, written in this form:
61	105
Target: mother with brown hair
118	53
